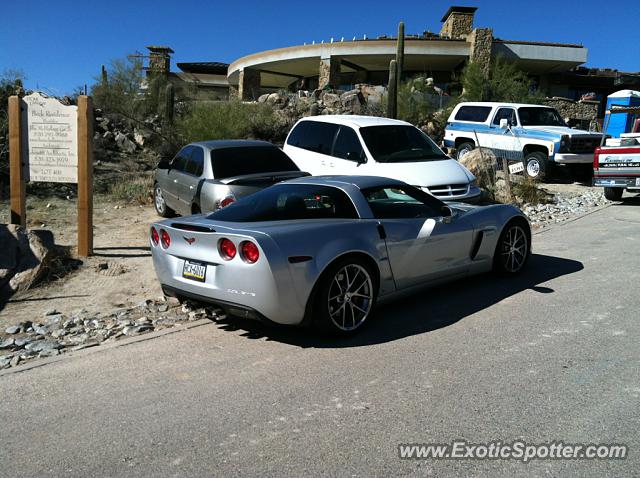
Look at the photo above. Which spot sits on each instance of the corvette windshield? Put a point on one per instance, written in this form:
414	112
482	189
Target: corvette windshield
540	117
284	202
400	143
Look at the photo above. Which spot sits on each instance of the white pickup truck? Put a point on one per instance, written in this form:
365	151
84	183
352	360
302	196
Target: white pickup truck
536	135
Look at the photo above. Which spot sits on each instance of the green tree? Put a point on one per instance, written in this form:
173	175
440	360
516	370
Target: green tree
505	83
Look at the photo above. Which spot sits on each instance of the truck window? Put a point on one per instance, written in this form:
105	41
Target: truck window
476	114
505	113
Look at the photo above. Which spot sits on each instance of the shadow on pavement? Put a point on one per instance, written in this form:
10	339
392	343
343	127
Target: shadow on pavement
432	309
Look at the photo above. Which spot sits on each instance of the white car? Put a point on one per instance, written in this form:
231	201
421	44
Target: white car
372	146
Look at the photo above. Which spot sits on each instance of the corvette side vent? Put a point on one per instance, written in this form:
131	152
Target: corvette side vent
192	227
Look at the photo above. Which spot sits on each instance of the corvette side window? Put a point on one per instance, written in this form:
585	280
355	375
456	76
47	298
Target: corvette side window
401	202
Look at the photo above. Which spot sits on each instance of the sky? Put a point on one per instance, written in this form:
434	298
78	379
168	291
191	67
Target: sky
60	45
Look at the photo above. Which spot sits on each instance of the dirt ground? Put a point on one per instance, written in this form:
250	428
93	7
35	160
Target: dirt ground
120	241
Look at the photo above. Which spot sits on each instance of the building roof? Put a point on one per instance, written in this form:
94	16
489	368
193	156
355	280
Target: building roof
159	49
214	67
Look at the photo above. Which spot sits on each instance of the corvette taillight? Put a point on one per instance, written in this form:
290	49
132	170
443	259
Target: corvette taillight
227	249
249	252
155	238
165	238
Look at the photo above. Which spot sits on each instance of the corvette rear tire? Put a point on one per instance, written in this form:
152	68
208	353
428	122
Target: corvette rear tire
345	297
513	248
160	204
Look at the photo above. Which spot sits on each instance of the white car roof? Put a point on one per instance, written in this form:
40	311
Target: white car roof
356	120
494	104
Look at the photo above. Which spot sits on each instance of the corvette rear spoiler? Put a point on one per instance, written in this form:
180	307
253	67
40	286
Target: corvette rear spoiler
274	177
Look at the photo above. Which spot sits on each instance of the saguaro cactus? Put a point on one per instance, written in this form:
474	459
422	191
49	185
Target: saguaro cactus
169	99
392	91
400	52
104	76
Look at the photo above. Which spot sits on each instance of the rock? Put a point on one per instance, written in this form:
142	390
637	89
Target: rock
331	100
7	344
482	163
22	341
163	308
41	345
352	101
48	353
39	330
14	329
263	98
125	144
51	312
33	254
15	360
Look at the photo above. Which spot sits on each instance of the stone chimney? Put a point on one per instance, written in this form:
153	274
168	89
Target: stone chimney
159	59
458	22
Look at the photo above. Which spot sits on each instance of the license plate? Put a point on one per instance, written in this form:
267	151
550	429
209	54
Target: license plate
637	181
194	271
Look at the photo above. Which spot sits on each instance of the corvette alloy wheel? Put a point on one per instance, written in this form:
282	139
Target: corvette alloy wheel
350	297
514	249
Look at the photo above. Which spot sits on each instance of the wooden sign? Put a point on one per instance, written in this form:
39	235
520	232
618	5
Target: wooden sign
52	140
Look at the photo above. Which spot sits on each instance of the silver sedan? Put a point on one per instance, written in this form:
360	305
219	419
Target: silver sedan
210	175
325	250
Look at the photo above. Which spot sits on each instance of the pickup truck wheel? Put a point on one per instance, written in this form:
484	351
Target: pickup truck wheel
463	149
160	204
535	165
613	194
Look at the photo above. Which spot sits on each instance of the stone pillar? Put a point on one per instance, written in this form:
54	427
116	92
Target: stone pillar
249	84
481	40
329	73
458	22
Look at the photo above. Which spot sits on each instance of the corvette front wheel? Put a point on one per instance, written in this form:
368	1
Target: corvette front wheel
346	297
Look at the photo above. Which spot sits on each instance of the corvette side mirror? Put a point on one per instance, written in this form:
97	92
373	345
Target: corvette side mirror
447	214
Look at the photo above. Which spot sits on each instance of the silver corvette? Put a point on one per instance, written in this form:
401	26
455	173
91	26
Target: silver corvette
325	250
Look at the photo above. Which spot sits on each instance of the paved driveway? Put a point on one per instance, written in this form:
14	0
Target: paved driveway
551	355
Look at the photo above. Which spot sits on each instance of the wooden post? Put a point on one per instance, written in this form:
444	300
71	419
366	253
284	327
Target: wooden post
16	168
85	176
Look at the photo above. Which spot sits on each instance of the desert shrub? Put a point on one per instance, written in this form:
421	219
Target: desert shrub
133	190
527	191
505	83
232	120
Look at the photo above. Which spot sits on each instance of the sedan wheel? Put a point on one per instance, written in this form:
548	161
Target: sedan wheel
346	297
161	206
512	250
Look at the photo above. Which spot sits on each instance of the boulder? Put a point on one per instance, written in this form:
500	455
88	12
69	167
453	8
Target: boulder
352	101
263	98
331	100
482	162
30	257
276	99
124	143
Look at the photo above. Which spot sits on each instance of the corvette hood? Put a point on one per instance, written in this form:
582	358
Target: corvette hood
426	173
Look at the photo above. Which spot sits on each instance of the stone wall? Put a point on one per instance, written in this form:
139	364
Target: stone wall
481	40
579	113
457	25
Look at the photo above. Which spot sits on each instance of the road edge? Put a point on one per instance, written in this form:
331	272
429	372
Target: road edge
99	348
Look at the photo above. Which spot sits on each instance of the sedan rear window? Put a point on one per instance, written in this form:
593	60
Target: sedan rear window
230	162
290	201
400	143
